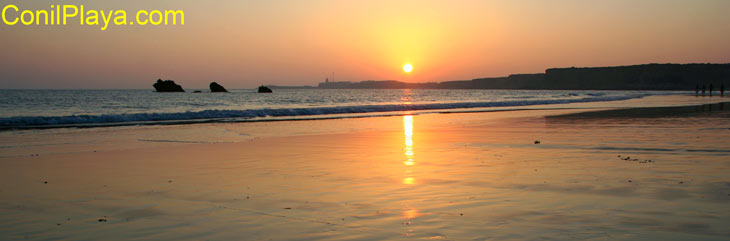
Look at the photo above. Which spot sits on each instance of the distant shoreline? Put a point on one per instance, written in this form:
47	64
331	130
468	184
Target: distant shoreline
631	77
589	100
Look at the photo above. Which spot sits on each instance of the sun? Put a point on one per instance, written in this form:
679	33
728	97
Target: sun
408	68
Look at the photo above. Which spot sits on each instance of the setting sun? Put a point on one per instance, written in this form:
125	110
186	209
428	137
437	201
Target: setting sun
408	68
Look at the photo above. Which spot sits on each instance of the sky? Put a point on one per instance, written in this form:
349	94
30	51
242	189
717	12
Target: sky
244	44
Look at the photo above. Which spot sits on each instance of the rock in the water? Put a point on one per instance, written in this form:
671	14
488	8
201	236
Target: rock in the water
167	86
215	87
264	89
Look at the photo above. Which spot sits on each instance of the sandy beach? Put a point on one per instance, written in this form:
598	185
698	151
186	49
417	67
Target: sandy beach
583	171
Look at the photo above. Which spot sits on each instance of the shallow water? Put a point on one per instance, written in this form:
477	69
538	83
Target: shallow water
21	109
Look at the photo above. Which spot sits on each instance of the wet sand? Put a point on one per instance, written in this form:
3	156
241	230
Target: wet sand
597	173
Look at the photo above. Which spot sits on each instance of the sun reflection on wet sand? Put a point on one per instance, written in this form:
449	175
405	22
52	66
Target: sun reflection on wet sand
408	134
411	213
409	180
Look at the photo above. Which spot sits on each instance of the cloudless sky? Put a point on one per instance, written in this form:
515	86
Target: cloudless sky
242	44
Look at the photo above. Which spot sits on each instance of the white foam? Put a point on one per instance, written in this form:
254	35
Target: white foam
207	115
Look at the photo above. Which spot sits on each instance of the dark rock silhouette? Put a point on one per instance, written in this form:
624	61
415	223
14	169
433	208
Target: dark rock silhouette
215	87
264	89
167	86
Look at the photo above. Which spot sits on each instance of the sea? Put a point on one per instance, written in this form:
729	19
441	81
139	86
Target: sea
29	109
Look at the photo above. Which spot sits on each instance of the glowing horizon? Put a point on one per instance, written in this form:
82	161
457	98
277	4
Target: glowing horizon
245	44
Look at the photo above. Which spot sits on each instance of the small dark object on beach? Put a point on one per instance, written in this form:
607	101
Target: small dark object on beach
537	142
215	87
167	86
461	214
629	180
45	182
287	208
681	182
247	197
264	89
58	224
102	220
170	181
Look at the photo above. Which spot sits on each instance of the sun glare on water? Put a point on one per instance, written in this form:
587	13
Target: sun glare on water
408	68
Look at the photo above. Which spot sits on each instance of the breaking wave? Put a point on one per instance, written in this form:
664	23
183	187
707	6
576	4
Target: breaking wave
215	115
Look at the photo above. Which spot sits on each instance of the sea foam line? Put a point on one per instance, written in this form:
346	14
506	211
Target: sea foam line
24	122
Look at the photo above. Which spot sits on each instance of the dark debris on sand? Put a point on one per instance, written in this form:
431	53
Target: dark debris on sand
628	158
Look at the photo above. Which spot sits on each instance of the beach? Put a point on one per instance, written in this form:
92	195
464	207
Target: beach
653	168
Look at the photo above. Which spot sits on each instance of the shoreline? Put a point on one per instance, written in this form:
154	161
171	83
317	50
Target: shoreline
322	113
29	142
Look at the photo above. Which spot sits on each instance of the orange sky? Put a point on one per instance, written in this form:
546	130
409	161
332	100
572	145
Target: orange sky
243	44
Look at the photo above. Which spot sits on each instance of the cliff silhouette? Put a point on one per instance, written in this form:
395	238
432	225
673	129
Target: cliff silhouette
633	77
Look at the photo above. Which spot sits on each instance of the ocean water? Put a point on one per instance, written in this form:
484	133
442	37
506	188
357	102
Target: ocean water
21	109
